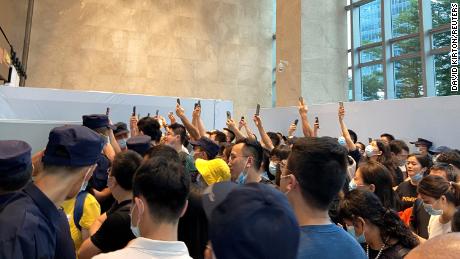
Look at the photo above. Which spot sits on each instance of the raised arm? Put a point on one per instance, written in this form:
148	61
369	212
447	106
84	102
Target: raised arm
180	112
266	141
350	145
303	110
231	125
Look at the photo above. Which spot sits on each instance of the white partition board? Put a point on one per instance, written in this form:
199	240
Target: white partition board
433	118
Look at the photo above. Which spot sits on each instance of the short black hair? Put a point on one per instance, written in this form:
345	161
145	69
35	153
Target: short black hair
320	167
282	152
16	181
220	137
275	138
353	135
163	151
165	186
254	149
232	134
179	130
388	136
150	127
397	145
124	166
450	157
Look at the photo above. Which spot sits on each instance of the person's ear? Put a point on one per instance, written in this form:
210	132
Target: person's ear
359	225
184	209
372	187
443	200
291	183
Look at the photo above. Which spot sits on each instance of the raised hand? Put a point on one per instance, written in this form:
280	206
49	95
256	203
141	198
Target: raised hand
180	112
292	129
303	108
171	117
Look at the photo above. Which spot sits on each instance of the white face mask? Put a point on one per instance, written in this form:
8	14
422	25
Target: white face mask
272	168
84	184
135	229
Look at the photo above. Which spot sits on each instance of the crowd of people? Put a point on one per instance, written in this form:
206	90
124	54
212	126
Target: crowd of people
155	189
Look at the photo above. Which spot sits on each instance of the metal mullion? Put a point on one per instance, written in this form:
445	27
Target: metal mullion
370	63
404	37
355	42
387	65
369	46
428	73
406	56
441	28
438	51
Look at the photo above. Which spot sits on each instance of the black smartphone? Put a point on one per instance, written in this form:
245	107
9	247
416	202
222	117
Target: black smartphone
196	105
317	121
156	113
134	111
242	117
296	122
199	103
258	109
148	114
341	104
107	111
370	140
229	115
178	101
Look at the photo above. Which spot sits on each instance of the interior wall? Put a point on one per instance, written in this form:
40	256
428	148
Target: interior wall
190	48
324	51
13	16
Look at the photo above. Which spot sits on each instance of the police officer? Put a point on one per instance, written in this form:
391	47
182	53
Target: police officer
15	167
100	124
32	226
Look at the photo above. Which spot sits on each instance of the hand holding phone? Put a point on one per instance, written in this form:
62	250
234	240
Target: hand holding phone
229	115
178	101
107	111
156	113
296	122
317	121
134	111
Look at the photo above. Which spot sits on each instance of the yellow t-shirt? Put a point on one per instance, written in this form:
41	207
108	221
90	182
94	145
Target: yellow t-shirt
91	211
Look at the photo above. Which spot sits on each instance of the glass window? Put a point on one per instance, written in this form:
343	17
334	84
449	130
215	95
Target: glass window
349	29
372	83
371	54
349	59
404	17
441	39
406	46
408	78
440	11
442	75
370	22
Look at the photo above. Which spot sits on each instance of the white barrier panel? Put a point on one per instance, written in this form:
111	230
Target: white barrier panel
432	118
37	110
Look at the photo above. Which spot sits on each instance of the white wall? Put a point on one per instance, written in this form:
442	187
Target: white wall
434	118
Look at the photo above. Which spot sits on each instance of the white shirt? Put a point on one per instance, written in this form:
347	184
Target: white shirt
144	248
436	228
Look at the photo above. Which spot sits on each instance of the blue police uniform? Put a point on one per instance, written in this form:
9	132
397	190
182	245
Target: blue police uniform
31	224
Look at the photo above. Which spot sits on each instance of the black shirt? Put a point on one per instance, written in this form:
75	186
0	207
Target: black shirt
395	251
419	219
115	233
407	193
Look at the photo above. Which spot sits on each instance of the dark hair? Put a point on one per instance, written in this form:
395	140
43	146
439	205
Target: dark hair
232	135
451	157
424	160
16	181
266	162
388	136
220	137
254	149
397	146
281	151
320	166
124	166
456	220
447	168
353	135
386	158
361	144
377	174
150	127
436	186
165	186
365	204
179	130
275	138
227	151
164	151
